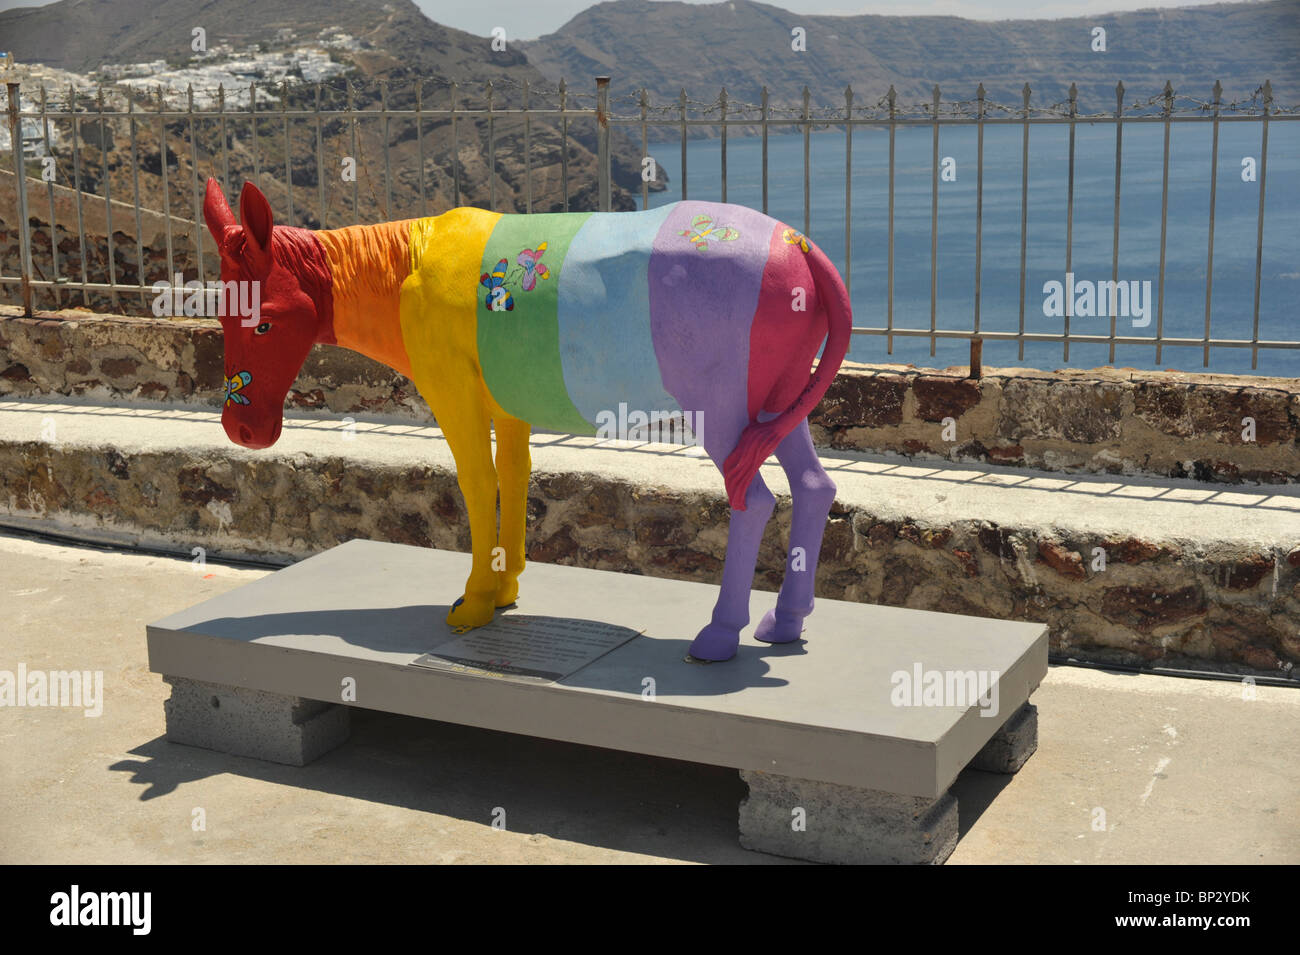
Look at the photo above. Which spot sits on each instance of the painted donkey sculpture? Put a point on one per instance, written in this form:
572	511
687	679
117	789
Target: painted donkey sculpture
710	311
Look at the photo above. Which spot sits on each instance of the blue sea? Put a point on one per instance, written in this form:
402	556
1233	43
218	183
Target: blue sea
1187	231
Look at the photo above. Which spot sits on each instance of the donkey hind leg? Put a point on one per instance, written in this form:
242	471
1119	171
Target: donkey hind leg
813	493
467	432
513	467
721	638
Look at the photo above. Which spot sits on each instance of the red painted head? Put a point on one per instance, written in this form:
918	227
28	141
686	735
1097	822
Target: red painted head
276	304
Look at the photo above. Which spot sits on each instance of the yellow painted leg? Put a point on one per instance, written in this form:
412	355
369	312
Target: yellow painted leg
437	311
469	438
449	380
513	468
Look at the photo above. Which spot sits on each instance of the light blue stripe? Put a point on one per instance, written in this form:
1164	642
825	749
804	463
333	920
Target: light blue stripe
606	347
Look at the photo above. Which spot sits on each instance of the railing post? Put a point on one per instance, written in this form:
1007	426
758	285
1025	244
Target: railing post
1214	184
108	197
419	143
722	99
763	125
934	220
196	187
528	154
602	141
455	152
681	105
49	192
807	169
979	204
388	163
1026	93
356	174
564	143
892	96
20	188
492	148
288	156
1164	224
1069	213
320	158
1119	180
848	191
645	149
1259	236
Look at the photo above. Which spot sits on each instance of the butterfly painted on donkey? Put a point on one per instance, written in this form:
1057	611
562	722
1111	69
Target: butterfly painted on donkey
498	298
233	384
703	229
528	269
534	269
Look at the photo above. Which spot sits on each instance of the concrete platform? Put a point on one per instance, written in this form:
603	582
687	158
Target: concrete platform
348	626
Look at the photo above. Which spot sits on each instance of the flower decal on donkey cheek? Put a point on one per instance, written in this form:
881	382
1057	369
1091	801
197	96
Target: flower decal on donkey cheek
233	386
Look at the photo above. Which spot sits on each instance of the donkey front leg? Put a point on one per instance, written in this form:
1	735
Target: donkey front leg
513	468
467	431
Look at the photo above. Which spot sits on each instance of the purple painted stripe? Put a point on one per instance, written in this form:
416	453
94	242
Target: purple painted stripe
703	296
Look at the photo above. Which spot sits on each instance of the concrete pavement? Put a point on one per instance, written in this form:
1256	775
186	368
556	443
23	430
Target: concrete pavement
1136	769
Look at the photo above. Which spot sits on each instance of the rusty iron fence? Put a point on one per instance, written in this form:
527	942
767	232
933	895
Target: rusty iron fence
639	120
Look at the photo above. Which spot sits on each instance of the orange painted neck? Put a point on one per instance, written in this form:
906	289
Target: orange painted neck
368	265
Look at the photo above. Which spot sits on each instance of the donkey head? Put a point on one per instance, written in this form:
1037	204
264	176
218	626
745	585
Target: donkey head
276	304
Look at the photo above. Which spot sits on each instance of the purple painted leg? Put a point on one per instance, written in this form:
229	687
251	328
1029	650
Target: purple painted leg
721	638
813	492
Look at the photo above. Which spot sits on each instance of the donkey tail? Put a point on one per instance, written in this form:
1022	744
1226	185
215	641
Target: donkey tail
760	439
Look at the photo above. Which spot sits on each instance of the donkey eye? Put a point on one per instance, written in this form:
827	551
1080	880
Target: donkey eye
262	329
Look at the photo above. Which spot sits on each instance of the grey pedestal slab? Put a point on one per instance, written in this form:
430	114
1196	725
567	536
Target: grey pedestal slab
817	712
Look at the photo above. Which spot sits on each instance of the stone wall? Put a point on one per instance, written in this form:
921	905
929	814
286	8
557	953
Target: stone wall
1103	420
1118	421
1164	596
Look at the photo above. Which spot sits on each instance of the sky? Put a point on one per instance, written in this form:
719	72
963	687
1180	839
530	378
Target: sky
527	19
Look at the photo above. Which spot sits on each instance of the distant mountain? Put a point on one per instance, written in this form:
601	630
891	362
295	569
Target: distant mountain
81	35
665	46
396	44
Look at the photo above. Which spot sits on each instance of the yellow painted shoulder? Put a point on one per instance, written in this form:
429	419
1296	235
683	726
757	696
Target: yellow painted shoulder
439	307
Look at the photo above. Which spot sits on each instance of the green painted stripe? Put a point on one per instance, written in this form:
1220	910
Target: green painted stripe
519	349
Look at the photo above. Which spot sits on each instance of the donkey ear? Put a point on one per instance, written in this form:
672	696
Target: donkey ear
257	219
216	211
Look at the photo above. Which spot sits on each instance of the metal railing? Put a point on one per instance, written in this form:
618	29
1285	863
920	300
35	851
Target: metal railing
74	113
494	124
725	112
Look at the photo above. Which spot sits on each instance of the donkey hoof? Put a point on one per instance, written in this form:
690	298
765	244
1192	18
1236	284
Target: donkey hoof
715	643
779	628
469	612
507	593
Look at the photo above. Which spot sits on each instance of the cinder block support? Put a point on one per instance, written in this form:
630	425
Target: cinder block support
1012	745
829	822
229	719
